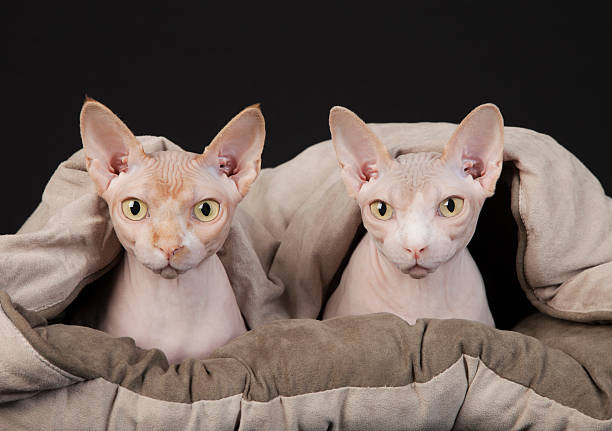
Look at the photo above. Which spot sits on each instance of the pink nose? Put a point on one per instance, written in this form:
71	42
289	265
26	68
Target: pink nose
416	251
171	250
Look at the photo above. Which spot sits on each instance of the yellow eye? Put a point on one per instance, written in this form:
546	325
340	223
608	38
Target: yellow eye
381	210
450	207
206	210
134	209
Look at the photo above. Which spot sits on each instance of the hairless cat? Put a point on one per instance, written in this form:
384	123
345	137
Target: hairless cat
420	211
171	211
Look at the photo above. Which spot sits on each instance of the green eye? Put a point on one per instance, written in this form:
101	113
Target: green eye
134	209
206	210
381	210
450	207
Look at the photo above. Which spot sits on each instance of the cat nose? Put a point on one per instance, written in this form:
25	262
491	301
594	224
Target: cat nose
171	250
416	251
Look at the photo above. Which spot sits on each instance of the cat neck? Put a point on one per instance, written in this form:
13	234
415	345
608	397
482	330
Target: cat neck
371	284
188	316
204	289
137	278
394	282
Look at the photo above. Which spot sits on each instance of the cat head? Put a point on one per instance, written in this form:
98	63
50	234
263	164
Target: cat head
171	209
421	208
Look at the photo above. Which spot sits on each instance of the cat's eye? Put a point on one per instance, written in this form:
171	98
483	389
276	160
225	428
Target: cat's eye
134	209
206	210
450	207
381	210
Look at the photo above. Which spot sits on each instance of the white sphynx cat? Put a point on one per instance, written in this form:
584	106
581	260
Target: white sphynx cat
171	211
420	211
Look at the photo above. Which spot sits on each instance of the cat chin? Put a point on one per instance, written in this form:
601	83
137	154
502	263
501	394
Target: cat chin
168	272
416	271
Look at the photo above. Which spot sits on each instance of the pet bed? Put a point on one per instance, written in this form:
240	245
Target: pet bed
543	246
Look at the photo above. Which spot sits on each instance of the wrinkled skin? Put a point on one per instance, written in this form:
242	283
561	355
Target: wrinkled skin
171	239
171	291
415	264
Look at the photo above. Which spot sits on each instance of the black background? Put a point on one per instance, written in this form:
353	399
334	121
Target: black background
183	72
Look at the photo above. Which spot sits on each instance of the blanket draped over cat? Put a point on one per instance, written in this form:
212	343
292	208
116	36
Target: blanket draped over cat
171	211
420	211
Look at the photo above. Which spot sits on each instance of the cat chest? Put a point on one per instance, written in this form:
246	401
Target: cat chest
452	291
199	305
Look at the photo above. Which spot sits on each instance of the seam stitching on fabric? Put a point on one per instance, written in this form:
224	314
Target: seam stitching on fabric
521	199
138	394
413	384
529	388
39	357
81	284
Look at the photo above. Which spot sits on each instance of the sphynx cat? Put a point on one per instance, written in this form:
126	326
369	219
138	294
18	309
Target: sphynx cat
171	211
420	211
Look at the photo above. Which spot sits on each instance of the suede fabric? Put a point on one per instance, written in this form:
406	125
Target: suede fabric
548	228
357	372
563	266
281	255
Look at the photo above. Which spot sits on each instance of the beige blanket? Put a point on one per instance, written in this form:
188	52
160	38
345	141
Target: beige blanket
288	244
296	226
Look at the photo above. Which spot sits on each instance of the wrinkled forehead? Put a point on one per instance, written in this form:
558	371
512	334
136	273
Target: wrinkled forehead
414	177
173	175
416	169
172	172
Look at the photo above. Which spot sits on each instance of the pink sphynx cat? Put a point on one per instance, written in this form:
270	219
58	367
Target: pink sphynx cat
420	211
171	211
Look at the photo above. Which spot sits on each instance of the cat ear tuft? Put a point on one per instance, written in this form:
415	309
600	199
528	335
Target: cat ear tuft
361	155
237	148
476	147
110	147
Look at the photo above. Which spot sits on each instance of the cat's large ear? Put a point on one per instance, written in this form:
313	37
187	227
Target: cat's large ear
110	147
362	156
476	147
236	150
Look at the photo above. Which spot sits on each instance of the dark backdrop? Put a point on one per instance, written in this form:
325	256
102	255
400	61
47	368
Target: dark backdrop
183	72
